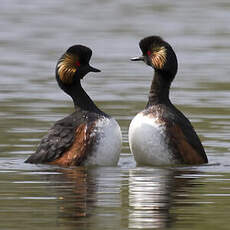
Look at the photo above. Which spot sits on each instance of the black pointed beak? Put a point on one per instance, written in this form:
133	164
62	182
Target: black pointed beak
92	69
141	58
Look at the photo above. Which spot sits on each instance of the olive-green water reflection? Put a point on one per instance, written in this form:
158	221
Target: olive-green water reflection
96	198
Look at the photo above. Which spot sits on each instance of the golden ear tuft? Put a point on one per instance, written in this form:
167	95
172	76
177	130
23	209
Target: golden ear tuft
159	57
67	68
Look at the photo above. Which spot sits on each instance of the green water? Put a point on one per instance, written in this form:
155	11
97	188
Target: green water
34	34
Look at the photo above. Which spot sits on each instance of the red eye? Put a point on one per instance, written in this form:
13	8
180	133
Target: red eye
148	53
78	63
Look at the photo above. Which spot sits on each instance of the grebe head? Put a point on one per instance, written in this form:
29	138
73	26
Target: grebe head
74	65
158	54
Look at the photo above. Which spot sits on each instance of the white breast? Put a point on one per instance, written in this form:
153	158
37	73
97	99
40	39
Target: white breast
148	142
107	149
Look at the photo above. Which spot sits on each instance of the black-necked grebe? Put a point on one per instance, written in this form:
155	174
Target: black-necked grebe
86	137
161	134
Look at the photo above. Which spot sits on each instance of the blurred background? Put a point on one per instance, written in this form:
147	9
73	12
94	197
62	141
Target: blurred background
34	34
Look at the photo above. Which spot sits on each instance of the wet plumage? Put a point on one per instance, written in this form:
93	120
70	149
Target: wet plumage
79	138
161	134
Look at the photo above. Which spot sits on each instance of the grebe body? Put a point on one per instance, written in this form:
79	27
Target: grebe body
161	134
86	137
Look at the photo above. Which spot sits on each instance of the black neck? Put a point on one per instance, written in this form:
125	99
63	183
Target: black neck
81	99
159	91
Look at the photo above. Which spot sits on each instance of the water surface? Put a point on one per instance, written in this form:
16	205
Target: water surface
33	36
